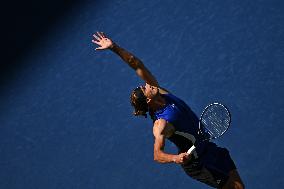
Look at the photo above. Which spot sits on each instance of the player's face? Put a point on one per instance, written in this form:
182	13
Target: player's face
150	91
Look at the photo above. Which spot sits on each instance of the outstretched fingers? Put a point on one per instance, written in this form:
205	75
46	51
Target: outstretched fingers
96	37
101	35
96	42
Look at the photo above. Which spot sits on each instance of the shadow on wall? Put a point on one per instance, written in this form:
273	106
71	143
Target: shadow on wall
23	23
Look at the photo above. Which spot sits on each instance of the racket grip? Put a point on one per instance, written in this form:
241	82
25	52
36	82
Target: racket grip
190	149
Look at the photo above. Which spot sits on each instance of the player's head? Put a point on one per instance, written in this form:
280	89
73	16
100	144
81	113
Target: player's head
139	101
141	97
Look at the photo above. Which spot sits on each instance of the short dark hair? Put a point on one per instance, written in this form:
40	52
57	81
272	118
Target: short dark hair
139	101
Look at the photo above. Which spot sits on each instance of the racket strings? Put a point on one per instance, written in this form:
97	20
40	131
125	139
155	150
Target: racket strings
216	120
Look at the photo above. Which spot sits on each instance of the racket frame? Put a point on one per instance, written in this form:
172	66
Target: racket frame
212	104
192	148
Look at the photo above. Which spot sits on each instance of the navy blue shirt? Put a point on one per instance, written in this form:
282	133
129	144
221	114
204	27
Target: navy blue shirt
185	122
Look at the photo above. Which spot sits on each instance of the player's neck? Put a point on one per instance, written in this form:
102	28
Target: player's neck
158	103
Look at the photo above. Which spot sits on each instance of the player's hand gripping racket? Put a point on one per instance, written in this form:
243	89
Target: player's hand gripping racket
214	122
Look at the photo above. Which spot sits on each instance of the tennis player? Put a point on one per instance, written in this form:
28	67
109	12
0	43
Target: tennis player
174	120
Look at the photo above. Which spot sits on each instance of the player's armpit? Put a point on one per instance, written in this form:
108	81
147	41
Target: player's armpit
163	90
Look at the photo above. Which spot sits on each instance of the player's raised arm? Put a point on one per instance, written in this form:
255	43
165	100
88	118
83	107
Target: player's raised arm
106	43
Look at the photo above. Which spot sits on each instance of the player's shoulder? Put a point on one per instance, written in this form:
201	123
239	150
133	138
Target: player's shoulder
161	126
163	90
159	122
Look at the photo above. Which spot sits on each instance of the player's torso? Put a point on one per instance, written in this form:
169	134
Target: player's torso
178	114
182	124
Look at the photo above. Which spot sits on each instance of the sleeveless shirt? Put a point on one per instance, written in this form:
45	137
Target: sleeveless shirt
185	122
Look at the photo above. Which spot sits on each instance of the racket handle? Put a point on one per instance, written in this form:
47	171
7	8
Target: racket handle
190	149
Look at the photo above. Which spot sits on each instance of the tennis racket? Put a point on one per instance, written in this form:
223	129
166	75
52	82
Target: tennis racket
214	121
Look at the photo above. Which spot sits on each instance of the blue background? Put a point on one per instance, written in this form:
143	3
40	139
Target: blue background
64	107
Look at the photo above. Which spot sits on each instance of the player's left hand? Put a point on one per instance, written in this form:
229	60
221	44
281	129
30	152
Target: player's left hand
102	40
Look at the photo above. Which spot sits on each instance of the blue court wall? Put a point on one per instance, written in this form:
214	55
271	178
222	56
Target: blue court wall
65	114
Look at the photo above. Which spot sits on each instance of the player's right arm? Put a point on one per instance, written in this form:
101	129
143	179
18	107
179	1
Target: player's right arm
160	130
132	61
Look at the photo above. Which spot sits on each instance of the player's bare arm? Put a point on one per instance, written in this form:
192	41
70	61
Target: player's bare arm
106	43
161	131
